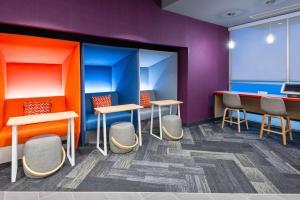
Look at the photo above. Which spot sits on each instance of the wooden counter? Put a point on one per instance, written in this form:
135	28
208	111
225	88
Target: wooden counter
251	102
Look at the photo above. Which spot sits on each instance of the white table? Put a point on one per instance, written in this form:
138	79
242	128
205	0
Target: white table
112	109
160	104
33	119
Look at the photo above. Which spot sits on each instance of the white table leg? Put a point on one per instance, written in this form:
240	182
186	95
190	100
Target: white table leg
151	121
178	110
104	150
170	109
104	134
160	125
139	127
14	154
98	132
69	137
131	116
71	142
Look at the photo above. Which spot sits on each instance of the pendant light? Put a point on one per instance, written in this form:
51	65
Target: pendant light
270	37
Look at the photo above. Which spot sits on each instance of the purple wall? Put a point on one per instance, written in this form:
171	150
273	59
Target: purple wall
145	21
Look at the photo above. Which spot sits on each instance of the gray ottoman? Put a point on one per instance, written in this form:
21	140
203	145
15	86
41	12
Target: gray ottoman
172	127
122	138
43	156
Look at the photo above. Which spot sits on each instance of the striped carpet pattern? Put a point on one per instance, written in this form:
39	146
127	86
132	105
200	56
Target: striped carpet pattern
207	160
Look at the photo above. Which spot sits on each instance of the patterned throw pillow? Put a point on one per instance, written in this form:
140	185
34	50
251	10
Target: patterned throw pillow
36	108
101	101
145	99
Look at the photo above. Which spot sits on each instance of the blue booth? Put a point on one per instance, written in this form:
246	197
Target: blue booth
158	76
108	70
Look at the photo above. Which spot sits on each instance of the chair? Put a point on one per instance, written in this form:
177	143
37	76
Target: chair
275	107
232	103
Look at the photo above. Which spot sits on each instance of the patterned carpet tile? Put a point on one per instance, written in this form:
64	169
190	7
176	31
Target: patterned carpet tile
208	159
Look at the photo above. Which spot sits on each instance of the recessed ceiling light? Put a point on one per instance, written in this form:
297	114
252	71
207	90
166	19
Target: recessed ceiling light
269	2
272	2
231	13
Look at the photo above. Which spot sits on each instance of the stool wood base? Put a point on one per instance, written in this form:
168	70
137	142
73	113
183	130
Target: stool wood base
239	121
284	129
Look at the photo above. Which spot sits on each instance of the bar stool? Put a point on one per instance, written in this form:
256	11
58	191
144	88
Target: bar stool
233	103
275	107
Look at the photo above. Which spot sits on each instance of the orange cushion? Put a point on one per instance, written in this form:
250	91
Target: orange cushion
101	101
27	131
145	99
15	107
36	108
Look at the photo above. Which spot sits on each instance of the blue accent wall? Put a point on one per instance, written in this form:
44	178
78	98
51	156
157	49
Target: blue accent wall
254	87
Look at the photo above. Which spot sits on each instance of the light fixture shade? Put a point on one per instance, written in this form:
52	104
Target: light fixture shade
231	44
270	38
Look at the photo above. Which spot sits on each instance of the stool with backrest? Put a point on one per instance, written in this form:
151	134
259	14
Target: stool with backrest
275	107
232	103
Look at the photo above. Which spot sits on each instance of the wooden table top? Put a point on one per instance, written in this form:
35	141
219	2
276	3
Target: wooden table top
258	96
118	108
33	119
166	102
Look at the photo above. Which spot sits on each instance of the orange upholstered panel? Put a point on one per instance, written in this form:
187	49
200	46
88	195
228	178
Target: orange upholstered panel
73	88
2	89
33	80
15	107
27	131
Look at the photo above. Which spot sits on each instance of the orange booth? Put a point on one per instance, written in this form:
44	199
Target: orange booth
34	69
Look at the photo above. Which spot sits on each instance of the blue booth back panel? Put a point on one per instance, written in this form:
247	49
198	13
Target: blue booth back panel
98	79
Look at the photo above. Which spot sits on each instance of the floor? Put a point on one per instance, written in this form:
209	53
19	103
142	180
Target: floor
207	160
141	196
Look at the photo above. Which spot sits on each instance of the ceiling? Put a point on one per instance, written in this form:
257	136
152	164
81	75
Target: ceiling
230	13
29	49
98	55
148	58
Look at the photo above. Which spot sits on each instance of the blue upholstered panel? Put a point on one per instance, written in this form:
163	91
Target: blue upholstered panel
98	79
88	100
126	79
91	119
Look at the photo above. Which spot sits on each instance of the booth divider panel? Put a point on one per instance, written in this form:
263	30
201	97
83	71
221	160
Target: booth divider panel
163	78
126	79
2	89
72	90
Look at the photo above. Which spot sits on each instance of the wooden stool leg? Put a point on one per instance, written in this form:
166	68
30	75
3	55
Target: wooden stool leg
238	121
269	124
230	117
261	134
245	118
283	130
224	116
288	120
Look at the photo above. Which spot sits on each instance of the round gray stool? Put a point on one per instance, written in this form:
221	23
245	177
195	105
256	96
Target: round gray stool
122	138
172	127
43	156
